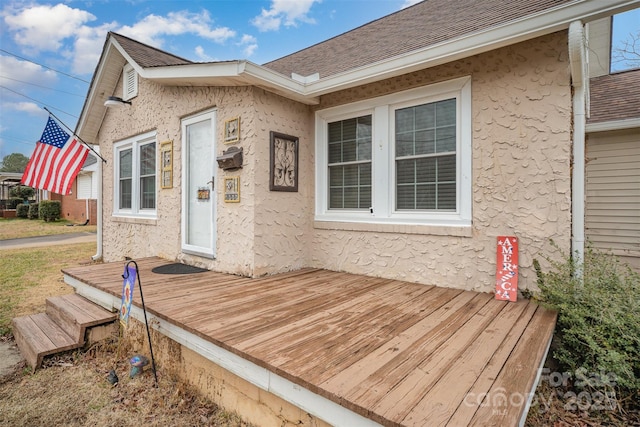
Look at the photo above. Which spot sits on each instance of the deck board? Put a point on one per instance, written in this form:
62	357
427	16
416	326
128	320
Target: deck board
395	352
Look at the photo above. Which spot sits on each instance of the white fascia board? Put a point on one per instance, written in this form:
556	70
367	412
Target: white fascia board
119	48
622	124
93	93
242	72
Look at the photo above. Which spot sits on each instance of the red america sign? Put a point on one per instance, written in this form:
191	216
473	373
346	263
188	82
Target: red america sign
507	268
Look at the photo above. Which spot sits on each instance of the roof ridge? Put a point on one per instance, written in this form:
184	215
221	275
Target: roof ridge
130	40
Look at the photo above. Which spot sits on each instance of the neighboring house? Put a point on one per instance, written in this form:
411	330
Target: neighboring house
422	136
81	204
612	218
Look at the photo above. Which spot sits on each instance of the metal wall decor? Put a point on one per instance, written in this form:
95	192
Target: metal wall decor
283	175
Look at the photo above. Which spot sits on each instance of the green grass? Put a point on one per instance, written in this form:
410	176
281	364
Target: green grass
15	228
29	276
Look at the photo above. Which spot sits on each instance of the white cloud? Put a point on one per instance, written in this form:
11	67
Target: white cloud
88	46
249	44
202	55
151	29
408	3
14	70
45	27
29	107
284	12
64	30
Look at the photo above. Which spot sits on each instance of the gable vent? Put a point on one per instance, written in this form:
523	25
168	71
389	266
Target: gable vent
130	83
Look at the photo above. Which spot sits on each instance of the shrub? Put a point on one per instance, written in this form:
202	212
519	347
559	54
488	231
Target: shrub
14	202
598	327
50	210
22	210
22	192
33	211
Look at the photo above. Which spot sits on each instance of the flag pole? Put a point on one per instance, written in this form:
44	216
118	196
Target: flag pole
74	134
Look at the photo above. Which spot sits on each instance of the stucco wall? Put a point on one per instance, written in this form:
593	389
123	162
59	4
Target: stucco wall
283	221
521	142
161	109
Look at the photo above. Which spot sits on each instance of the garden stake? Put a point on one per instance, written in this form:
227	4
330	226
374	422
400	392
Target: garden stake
144	311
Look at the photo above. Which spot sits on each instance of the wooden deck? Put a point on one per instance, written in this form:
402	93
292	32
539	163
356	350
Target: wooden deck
394	352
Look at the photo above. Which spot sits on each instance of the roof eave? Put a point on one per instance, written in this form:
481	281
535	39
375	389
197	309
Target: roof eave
230	73
530	27
247	73
243	73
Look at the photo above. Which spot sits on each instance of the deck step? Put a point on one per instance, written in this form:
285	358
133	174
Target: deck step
63	327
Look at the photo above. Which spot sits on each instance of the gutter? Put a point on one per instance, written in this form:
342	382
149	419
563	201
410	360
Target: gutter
98	255
579	81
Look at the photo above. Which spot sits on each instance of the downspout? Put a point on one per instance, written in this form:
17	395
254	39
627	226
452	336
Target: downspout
98	255
579	81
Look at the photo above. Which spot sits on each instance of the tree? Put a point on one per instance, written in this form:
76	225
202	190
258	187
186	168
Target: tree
627	52
14	162
22	191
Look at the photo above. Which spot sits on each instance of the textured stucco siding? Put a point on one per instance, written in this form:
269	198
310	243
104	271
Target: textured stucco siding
283	220
159	108
521	139
521	149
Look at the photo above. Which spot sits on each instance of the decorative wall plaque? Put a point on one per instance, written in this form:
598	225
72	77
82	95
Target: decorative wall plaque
166	164
284	162
232	189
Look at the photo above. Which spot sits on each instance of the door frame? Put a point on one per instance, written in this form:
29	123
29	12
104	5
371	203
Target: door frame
184	247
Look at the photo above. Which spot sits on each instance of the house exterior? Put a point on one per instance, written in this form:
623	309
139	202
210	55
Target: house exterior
612	219
81	204
418	139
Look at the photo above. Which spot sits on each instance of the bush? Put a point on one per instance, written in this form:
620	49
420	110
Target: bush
33	211
14	202
22	210
22	192
598	328
50	210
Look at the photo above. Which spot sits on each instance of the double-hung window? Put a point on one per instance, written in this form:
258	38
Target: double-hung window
135	176
403	158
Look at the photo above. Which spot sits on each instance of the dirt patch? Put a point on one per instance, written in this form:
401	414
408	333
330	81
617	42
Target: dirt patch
73	390
9	356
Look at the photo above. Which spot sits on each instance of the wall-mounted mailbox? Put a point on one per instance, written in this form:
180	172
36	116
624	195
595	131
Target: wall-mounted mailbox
230	159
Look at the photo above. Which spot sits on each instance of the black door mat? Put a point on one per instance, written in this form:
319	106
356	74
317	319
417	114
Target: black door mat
177	268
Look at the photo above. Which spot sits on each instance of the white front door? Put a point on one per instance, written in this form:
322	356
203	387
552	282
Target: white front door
198	184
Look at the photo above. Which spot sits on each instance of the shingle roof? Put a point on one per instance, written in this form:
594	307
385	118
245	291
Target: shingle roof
148	56
419	26
615	97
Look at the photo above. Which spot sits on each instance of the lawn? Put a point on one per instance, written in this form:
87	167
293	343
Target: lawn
15	228
27	278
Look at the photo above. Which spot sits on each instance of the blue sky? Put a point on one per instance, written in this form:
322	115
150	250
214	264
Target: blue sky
49	50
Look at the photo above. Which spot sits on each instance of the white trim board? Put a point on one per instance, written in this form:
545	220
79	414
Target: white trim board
313	403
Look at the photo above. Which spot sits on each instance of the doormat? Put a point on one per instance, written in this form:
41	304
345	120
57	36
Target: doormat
177	268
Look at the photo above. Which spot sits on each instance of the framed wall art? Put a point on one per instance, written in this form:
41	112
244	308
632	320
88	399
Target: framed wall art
232	130
283	175
166	163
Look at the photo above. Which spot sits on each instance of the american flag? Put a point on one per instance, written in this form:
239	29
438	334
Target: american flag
56	160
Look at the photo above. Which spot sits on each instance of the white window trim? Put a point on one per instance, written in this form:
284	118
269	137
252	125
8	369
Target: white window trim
383	158
134	143
126	71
